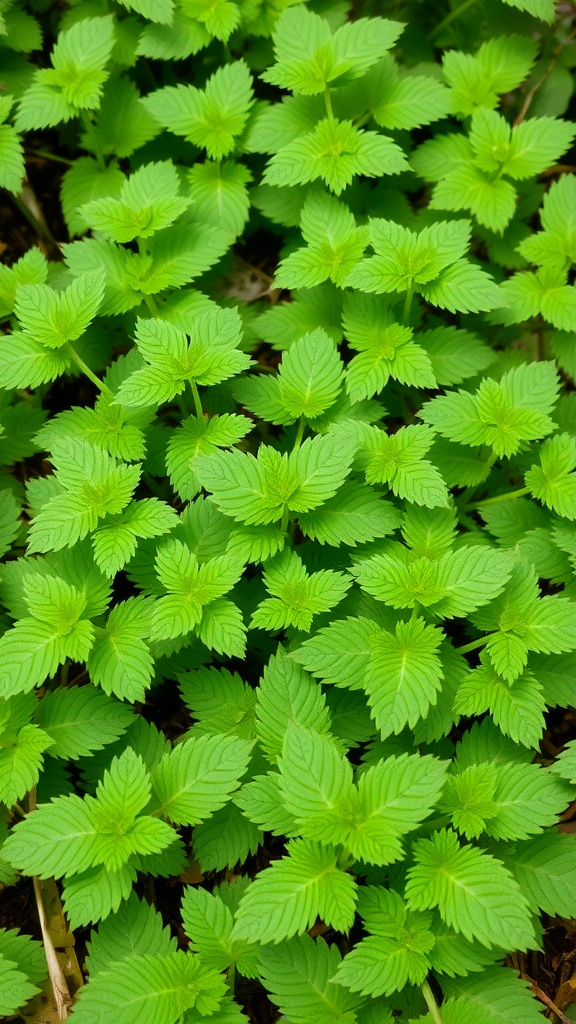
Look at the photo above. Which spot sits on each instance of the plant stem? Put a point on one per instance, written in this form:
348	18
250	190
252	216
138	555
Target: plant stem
39	228
285	519
299	433
231	978
88	372
431	1003
474	644
328	102
151	305
89	129
197	403
451	17
509	496
47	155
407	304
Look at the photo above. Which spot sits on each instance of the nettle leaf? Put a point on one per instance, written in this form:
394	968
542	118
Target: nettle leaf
92	485
398	460
501	414
80	719
160	989
404	675
225	839
21	760
454	585
298	975
431	262
517	708
115	542
287	695
211	118
385	349
134	930
120	661
54	318
334	245
309	57
499	65
554	245
286	898
395	954
402	102
208	923
219	194
15	988
297	596
192	587
195	779
335	151
355	515
211	356
544	868
258	490
149	201
11	152
553	482
473	891
74	82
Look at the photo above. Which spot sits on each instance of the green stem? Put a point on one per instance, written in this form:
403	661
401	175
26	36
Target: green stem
328	102
474	644
299	433
509	496
297	442
231	978
88	372
51	156
39	228
345	859
89	129
431	1003
407	304
151	305
197	403
452	17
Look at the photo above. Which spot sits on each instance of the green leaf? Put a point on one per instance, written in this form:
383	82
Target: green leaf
298	977
544	868
501	414
135	929
398	460
310	376
490	997
517	708
226	839
334	245
208	923
219	194
151	989
500	65
11	159
56	840
211	356
336	152
385	349
120	661
553	482
15	989
309	57
287	695
286	898
197	778
355	515
211	118
80	719
297	596
54	318
21	761
404	676
149	201
473	891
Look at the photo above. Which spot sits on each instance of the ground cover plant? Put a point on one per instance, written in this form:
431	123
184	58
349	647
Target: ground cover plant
287	511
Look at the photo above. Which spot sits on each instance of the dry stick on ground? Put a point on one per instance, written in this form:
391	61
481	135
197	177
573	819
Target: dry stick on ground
531	94
546	999
62	995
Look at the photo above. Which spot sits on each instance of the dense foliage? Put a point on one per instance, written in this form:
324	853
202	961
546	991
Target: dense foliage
288	502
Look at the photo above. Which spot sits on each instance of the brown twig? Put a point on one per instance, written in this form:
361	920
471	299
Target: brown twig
531	94
62	997
546	999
